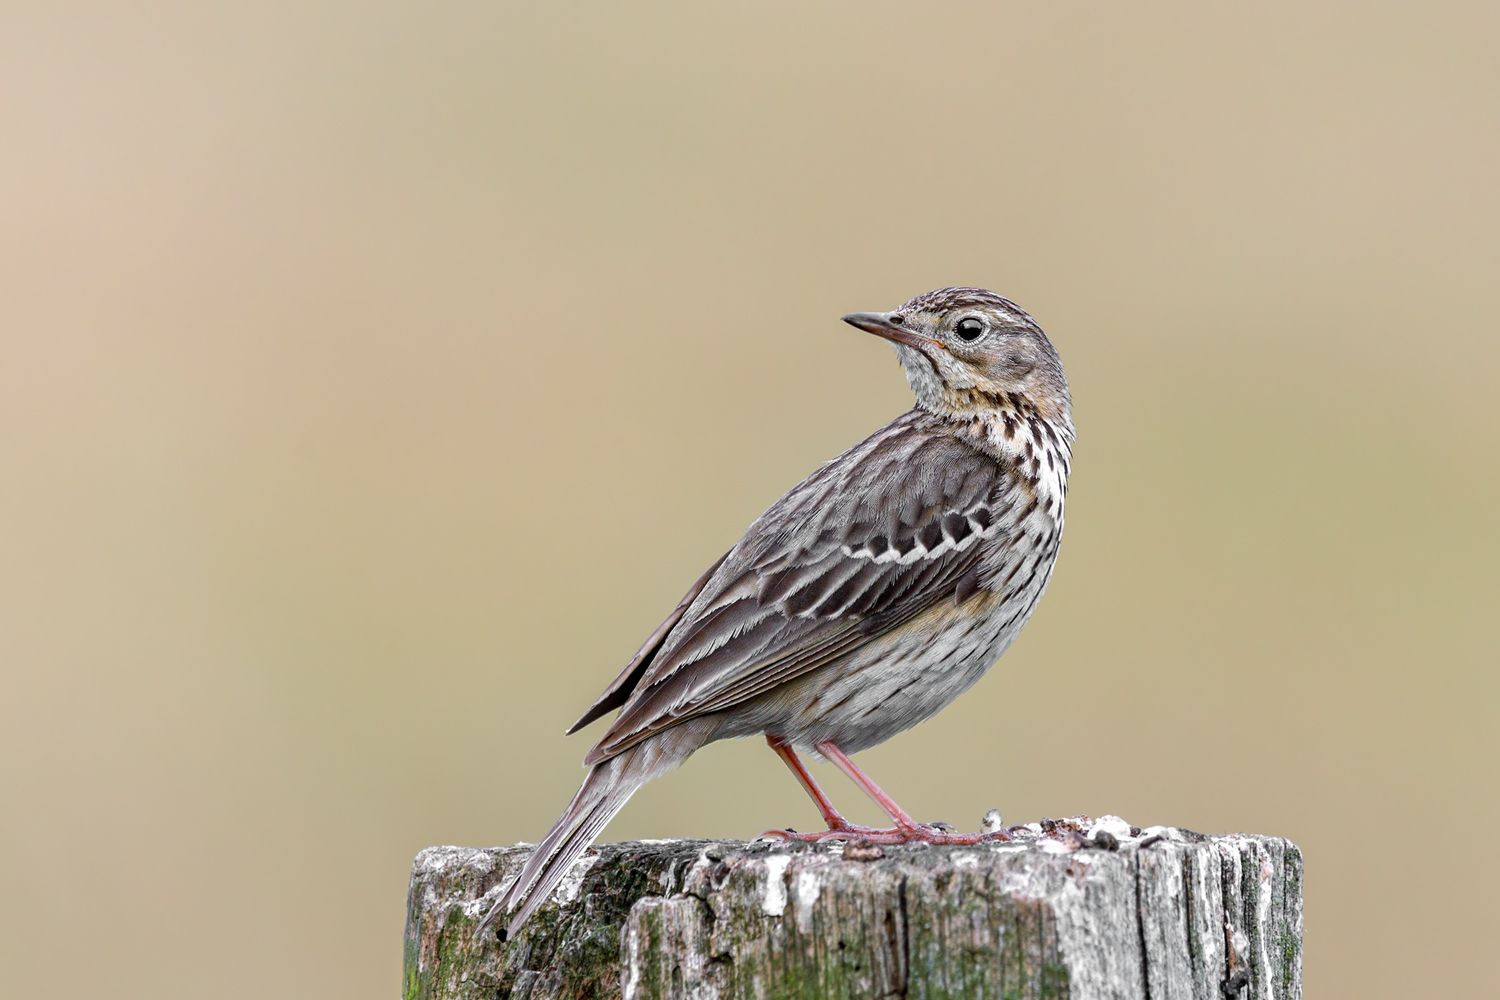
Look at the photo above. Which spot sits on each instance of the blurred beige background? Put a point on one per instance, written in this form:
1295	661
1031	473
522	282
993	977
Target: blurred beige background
373	378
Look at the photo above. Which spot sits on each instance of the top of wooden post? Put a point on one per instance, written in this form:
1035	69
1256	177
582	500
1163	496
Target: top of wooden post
1077	908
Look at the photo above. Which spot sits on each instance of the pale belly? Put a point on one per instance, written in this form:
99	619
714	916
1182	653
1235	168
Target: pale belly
905	679
893	683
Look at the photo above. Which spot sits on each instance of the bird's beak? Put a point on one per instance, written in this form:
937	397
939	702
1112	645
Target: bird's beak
881	325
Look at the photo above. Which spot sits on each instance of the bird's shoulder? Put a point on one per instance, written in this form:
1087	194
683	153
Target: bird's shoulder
884	498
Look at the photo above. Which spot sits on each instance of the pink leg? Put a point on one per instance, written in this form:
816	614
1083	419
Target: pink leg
784	750
860	778
835	820
906	828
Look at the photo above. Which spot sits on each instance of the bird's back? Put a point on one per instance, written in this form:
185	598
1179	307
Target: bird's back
924	529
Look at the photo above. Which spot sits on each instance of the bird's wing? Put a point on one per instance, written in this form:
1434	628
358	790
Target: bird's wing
875	537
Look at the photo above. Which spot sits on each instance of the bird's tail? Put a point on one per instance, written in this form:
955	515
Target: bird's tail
609	785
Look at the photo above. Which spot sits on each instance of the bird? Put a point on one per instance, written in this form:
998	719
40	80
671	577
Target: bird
862	602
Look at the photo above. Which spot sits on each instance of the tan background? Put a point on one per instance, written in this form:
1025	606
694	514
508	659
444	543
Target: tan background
374	377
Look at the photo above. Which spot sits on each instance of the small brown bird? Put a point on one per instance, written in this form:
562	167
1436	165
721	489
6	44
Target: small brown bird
867	598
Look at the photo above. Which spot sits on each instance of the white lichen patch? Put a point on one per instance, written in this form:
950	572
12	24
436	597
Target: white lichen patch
1112	825
477	908
809	888
435	859
774	902
965	861
572	883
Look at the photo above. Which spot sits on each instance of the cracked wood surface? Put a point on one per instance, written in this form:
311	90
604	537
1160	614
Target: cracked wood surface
1082	909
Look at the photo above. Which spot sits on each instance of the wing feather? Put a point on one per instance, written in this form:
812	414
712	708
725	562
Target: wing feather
872	539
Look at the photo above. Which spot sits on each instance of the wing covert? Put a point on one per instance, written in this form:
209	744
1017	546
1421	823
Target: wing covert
867	542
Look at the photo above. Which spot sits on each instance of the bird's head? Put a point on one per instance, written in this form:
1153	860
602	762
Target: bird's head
968	351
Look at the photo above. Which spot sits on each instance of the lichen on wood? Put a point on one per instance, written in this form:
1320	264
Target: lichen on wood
1078	908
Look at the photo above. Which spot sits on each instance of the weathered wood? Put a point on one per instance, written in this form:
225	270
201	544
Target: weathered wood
1083	909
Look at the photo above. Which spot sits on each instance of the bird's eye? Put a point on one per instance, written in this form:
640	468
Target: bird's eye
969	328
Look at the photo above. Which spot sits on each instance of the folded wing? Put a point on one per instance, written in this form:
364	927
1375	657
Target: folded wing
870	540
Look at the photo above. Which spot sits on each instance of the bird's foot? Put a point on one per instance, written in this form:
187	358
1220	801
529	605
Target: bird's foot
929	833
840	831
923	833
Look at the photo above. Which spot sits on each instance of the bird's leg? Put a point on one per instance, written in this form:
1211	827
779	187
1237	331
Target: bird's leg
784	750
859	777
839	828
907	829
837	824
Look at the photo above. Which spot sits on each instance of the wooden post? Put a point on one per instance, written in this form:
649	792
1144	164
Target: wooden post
1082	909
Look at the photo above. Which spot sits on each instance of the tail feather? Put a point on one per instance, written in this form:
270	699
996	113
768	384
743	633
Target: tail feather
609	785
